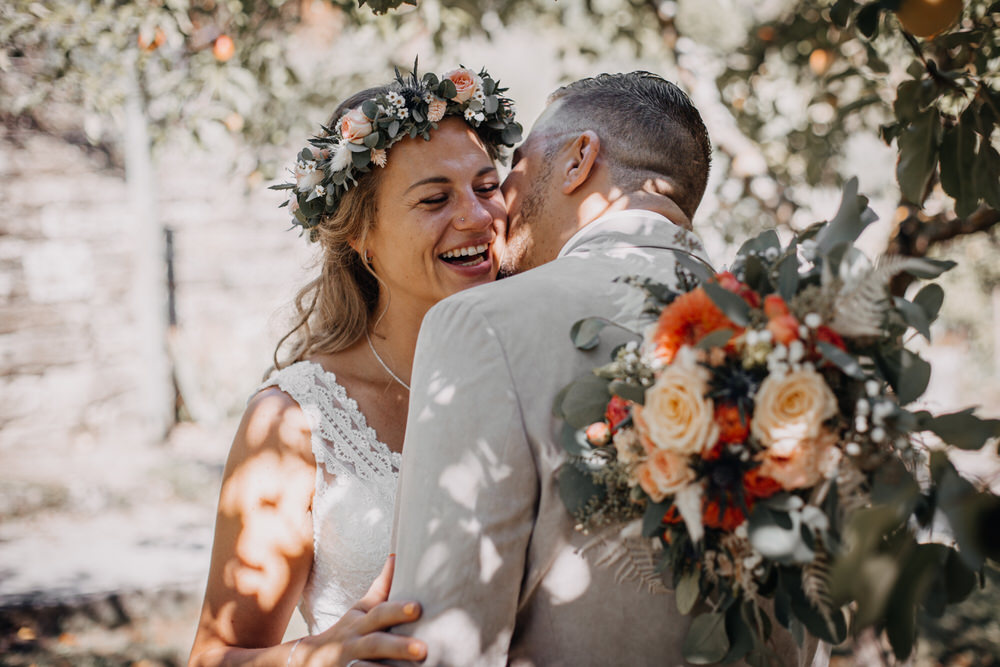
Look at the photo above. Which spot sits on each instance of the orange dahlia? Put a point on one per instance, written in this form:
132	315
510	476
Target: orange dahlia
616	412
758	485
688	319
733	427
713	516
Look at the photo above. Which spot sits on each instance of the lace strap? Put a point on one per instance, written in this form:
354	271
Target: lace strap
341	437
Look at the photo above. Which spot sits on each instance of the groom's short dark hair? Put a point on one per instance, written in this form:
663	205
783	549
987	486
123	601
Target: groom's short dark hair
648	128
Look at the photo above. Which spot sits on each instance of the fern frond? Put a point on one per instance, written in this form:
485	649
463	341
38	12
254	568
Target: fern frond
635	559
816	585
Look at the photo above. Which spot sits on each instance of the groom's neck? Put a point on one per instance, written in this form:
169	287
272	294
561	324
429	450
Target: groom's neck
597	205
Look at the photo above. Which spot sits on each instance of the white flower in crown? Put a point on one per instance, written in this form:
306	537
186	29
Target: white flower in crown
436	108
402	113
379	157
307	176
427	97
479	96
395	99
477	116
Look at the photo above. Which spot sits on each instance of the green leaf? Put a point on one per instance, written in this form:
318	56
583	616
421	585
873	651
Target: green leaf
715	339
918	152
741	636
394	128
867	19
511	134
930	299
628	391
913	315
958	160
574	441
732	305
369	109
760	243
788	277
492	104
928	269
914	375
893	486
586	333
987	174
371	140
959	580
361	158
688	591
841	11
919	568
845	362
577	487
446	89
585	401
907	104
652	518
962	429
706	641
356	148
697	268
777	536
851	219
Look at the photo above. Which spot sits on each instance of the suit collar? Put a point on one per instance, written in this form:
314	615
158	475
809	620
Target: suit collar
633	228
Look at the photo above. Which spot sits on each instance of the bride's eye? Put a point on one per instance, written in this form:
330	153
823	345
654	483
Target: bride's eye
434	200
488	188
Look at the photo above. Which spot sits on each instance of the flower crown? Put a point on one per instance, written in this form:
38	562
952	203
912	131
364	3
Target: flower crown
363	135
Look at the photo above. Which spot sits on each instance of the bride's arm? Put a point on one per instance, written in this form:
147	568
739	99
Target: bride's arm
263	551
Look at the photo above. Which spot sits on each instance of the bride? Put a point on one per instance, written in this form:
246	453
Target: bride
306	503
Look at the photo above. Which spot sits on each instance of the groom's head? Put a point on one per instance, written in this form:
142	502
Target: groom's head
599	139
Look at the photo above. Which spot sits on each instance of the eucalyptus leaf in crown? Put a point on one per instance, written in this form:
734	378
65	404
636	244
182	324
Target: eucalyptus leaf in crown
361	138
761	436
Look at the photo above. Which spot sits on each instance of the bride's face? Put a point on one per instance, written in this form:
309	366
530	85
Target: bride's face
441	216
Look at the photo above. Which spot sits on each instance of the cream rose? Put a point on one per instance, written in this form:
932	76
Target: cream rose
677	417
790	409
466	83
355	126
663	474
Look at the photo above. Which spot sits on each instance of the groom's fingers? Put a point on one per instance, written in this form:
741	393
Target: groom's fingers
379	590
387	614
383	646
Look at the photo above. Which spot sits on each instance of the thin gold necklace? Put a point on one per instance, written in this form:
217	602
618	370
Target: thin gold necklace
383	364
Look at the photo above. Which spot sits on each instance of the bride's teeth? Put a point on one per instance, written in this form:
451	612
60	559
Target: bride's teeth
465	252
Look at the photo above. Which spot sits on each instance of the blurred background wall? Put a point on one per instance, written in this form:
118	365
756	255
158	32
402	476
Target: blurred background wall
146	272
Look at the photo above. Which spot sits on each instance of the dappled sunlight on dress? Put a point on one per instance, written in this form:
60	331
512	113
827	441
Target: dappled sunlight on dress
353	502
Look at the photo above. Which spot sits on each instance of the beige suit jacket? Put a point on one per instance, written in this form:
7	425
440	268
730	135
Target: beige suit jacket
482	538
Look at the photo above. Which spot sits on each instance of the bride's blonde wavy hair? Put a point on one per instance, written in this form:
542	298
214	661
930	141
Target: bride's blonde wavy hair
336	308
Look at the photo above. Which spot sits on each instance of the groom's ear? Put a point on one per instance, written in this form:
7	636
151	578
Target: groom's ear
580	160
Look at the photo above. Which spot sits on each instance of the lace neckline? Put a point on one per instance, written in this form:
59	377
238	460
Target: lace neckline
356	413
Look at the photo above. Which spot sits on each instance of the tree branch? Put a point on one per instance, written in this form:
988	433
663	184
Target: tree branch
916	234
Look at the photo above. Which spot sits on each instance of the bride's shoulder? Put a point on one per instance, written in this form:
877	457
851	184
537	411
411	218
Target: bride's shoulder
274	420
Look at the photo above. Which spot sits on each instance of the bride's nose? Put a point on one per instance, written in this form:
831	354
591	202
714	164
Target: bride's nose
473	215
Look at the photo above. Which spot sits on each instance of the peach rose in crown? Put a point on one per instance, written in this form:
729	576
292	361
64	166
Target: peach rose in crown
355	126
664	474
790	410
677	417
466	83
436	109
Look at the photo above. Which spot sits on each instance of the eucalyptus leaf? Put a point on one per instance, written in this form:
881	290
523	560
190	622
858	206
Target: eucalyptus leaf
845	362
574	441
868	18
914	316
929	269
741	636
652	518
369	109
577	487
586	333
706	641
963	429
696	267
930	299
715	339
687	591
628	391
732	305
851	219
914	375
788	276
958	161
585	401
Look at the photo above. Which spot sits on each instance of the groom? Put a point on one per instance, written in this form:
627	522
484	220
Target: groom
604	186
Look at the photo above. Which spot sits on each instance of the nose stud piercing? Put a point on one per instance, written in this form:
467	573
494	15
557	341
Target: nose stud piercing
461	219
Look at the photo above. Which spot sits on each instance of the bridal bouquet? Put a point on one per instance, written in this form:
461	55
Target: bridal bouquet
756	437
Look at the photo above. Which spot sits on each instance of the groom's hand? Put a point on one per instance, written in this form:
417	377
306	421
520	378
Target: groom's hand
359	637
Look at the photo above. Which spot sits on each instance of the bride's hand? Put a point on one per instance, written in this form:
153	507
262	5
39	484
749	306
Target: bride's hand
360	636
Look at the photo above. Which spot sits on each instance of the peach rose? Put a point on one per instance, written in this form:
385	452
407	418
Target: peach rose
804	465
677	417
598	434
663	474
790	410
355	126
466	83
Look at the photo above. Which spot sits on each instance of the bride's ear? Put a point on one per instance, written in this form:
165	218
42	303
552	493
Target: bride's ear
580	161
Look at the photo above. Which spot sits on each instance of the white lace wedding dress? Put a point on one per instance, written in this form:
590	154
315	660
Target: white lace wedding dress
355	488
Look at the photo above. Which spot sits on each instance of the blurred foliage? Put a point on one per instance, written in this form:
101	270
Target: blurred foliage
855	67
